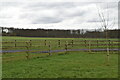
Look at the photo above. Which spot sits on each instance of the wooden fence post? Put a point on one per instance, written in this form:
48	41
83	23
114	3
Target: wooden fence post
89	46
85	43
66	47
108	56
72	43
58	43
45	43
109	43
49	48
30	43
112	46
15	43
97	43
27	52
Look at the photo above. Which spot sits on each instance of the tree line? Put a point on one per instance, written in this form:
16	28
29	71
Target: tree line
56	33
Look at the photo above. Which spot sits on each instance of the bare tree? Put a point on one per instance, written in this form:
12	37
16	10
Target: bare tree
105	25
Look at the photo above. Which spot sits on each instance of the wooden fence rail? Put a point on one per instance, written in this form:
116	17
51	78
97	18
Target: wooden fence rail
61	44
89	44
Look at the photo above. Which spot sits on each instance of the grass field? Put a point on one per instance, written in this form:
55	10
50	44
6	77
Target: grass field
76	64
72	65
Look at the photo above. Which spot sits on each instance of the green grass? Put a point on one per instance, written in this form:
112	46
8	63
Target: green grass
39	38
72	65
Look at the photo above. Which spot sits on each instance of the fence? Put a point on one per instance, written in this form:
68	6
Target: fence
51	46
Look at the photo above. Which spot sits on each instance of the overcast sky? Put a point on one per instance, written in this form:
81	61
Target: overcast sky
57	15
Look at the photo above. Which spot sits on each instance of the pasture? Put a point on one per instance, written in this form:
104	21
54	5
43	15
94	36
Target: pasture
36	63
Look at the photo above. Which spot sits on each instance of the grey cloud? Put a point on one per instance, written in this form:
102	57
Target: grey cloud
78	13
108	5
94	20
10	4
45	20
54	5
51	5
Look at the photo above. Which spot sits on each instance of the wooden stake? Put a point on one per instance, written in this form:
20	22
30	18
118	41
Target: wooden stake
30	43
45	43
85	42
97	43
58	43
50	48
15	43
112	46
109	43
66	47
72	43
107	54
27	52
89	46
